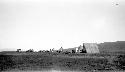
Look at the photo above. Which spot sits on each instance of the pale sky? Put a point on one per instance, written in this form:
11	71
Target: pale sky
45	24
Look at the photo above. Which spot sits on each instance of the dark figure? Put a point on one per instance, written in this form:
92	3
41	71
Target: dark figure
73	51
30	50
18	50
84	49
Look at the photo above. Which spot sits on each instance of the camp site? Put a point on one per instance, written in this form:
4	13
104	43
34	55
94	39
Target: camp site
86	57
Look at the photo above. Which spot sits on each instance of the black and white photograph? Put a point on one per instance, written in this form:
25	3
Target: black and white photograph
62	35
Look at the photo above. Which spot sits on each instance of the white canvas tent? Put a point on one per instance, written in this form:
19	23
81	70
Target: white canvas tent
91	47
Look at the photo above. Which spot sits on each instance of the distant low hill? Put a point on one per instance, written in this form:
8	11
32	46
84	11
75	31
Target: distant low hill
107	47
118	46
